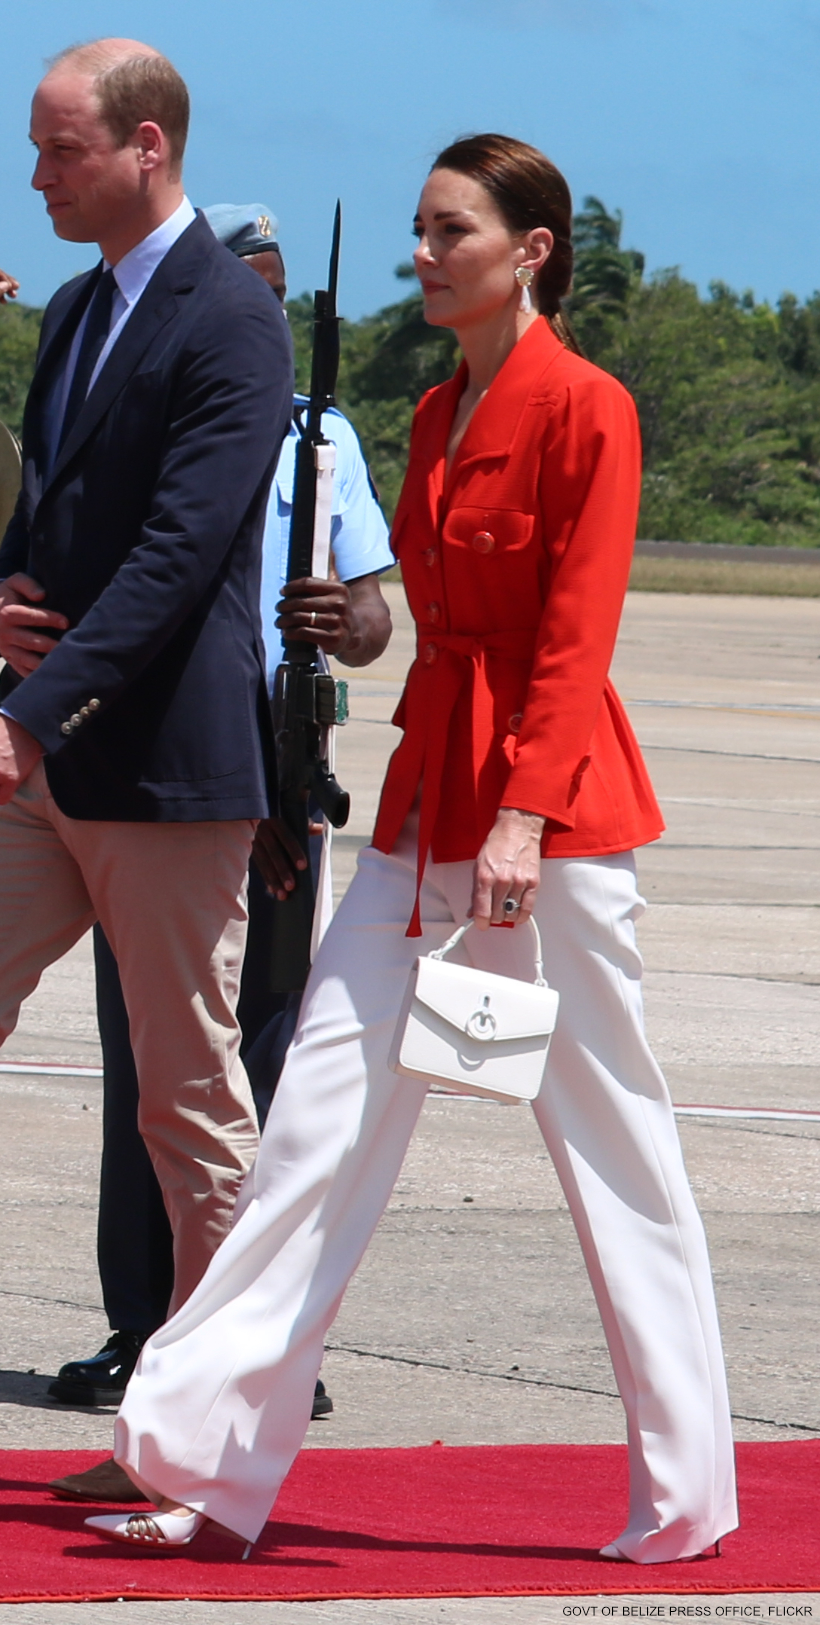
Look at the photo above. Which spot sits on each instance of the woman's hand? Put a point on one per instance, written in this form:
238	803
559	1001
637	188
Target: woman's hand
508	866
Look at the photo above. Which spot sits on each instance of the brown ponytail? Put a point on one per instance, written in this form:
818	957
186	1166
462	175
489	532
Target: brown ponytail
529	192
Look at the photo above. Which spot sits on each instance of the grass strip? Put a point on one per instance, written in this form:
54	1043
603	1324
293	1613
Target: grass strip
725	576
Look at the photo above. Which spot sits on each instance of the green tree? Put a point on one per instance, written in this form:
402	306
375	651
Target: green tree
730	447
19	335
605	274
727	389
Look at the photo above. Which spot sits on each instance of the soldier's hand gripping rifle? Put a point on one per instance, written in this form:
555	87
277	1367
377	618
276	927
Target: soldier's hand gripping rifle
307	701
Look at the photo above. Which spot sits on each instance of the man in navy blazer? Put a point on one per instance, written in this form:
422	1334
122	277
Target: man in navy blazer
134	735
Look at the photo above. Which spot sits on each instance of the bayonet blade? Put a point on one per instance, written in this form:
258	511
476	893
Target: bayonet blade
333	272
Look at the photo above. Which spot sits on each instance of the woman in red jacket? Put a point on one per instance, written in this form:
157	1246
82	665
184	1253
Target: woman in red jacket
517	789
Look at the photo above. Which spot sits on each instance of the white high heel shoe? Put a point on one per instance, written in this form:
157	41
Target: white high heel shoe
615	1552
149	1528
157	1529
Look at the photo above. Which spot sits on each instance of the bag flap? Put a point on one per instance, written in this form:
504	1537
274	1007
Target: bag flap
485	1006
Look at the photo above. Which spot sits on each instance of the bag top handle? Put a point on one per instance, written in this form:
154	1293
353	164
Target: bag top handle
454	940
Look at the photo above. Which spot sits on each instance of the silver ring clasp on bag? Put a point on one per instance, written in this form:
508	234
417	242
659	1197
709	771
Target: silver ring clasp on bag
482	1023
453	942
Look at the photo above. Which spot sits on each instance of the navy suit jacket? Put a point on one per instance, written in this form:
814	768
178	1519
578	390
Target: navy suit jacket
147	535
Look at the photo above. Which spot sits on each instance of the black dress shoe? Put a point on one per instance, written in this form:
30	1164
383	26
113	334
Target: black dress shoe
103	1379
105	1482
322	1402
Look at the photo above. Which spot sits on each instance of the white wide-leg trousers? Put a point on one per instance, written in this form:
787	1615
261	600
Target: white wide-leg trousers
219	1404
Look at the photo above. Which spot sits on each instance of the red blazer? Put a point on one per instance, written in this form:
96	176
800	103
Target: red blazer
515	568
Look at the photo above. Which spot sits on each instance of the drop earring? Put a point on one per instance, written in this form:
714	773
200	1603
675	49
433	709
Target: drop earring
524	277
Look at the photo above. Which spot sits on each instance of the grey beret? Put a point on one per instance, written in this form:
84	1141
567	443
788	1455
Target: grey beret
244	228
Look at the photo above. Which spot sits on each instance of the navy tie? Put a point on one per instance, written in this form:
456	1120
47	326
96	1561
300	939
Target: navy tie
94	336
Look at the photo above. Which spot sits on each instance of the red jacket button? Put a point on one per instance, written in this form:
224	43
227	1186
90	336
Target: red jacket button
483	542
430	654
433	612
515	722
430	555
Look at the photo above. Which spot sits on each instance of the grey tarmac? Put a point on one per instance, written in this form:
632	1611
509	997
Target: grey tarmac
471	1319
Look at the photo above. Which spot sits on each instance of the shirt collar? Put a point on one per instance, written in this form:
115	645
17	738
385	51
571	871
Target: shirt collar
134	271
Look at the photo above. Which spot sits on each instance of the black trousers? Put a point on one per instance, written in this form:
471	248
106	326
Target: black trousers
134	1243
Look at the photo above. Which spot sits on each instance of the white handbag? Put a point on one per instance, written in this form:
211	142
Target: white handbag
473	1032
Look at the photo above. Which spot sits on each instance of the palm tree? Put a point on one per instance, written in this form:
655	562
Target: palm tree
604	272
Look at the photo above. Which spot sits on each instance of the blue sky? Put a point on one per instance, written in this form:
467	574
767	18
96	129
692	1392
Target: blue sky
698	118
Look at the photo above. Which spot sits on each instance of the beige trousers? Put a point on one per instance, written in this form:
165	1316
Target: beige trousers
171	900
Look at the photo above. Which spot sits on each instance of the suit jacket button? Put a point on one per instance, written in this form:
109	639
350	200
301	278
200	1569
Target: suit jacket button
76	720
84	712
483	542
515	722
430	654
430	555
93	705
433	612
66	728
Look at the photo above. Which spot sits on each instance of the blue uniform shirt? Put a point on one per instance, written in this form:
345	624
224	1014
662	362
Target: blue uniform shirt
358	534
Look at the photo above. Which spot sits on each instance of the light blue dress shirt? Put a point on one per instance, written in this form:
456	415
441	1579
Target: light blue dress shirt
358	535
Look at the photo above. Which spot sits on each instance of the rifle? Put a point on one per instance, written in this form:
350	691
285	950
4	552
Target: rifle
307	701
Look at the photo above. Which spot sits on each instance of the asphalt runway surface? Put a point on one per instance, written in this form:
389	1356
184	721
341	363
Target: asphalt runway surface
471	1319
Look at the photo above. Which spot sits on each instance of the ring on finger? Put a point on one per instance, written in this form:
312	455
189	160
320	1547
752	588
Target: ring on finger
313	617
511	906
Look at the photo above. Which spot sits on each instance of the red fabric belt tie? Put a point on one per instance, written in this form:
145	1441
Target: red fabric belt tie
434	683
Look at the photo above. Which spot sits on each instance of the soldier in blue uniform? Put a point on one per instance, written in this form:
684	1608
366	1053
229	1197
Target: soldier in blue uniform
348	618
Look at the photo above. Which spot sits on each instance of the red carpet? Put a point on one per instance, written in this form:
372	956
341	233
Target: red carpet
512	1520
